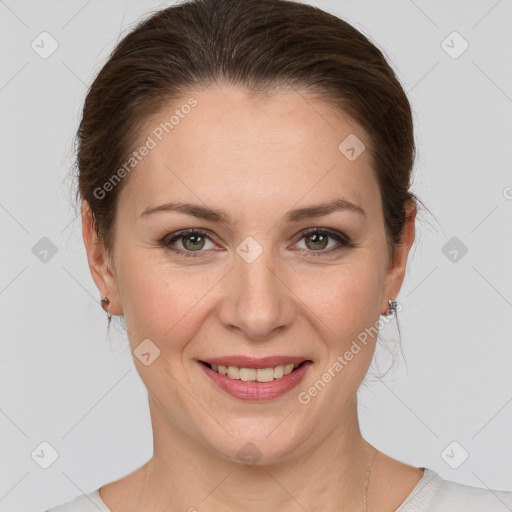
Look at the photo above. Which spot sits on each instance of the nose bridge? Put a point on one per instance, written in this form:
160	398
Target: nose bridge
258	278
257	303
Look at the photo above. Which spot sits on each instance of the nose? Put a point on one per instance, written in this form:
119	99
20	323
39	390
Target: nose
257	301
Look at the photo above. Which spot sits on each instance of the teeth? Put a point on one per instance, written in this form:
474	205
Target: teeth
278	372
246	374
264	374
254	374
233	372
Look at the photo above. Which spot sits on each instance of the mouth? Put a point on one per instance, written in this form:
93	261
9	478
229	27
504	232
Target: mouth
260	380
251	374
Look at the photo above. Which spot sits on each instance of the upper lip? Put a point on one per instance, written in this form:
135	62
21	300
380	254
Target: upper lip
252	362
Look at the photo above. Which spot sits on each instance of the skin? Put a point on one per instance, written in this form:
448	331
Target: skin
255	159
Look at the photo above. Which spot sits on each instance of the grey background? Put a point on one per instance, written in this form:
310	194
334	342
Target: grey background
66	383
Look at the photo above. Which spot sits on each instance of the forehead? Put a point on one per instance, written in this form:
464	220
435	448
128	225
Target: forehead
223	146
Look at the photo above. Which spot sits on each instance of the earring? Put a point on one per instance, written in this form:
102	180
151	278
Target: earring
105	304
393	307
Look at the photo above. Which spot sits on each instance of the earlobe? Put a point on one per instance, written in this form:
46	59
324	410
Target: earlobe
98	259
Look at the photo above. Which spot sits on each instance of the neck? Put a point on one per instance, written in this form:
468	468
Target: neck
187	474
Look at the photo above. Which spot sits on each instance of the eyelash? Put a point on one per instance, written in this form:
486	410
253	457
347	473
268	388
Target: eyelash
345	241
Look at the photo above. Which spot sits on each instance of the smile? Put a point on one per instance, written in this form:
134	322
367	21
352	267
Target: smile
258	384
254	374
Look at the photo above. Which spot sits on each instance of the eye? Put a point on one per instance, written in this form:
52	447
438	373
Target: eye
316	240
191	240
195	240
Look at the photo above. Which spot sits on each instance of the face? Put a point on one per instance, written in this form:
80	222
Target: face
251	280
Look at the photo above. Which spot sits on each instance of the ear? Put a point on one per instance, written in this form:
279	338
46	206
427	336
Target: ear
100	265
396	271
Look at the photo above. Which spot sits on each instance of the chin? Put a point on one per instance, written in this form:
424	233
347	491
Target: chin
252	448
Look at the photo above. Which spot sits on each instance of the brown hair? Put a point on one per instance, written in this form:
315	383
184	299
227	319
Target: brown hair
259	45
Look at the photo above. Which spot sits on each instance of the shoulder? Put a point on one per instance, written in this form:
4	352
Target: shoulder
434	494
85	503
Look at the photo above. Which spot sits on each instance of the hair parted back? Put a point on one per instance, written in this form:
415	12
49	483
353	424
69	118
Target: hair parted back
260	46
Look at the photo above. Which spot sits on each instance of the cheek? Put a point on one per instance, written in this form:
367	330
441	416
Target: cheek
346	311
347	295
160	302
347	314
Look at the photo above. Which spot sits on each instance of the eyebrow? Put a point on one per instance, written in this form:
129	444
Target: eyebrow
213	215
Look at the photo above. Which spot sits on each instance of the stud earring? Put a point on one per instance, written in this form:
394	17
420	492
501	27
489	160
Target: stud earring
105	304
393	307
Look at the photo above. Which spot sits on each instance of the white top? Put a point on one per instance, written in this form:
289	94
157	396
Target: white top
431	494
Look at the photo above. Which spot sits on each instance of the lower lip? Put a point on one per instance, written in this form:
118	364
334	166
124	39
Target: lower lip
257	391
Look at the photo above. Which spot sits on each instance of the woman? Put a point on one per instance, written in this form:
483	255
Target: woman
244	171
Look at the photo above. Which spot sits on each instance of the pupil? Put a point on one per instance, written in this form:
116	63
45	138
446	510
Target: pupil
191	237
322	242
